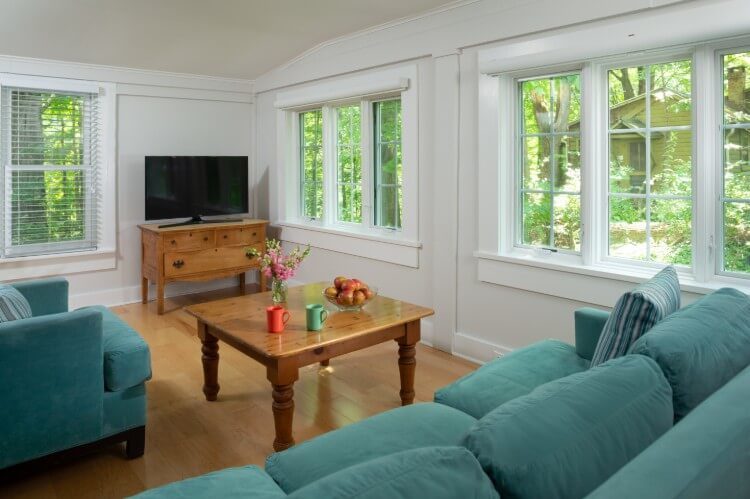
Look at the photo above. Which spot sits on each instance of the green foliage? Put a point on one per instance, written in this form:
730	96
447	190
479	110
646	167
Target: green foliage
388	163
311	158
349	163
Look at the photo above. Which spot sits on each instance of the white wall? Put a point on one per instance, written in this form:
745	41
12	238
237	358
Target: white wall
158	126
474	319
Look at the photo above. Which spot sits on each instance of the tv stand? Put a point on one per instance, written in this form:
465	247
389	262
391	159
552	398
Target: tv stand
199	252
198	220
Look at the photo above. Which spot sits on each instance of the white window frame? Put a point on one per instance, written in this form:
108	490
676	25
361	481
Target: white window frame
400	246
104	256
594	276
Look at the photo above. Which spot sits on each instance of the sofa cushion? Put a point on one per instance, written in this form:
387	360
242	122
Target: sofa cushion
127	359
232	483
567	437
13	305
707	454
430	472
392	431
636	312
511	376
701	347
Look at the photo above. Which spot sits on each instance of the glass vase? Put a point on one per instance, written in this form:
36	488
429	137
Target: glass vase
278	291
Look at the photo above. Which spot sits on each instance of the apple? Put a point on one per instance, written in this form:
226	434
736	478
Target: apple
359	297
339	282
349	284
346	297
331	292
368	293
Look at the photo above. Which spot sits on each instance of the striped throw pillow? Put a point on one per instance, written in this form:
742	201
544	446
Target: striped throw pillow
636	312
13	305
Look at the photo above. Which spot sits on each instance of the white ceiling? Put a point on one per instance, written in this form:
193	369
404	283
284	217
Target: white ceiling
229	38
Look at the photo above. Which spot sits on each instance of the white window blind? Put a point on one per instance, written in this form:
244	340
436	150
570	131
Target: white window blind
49	152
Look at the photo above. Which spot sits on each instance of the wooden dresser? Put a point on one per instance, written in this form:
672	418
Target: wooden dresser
198	253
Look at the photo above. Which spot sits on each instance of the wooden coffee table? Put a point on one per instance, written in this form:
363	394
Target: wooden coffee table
241	323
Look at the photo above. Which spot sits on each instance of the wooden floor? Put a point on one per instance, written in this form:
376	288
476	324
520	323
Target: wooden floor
187	436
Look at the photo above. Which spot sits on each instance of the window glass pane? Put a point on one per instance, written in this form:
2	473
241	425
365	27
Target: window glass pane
536	163
671	103
737	163
567	163
550	163
349	164
627	163
672	162
311	153
388	164
536	219
737	237
650	156
568	222
627	227
671	231
737	88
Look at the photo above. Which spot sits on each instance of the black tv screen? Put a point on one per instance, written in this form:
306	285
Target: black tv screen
189	186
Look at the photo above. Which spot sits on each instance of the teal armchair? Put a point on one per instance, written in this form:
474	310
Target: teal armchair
71	380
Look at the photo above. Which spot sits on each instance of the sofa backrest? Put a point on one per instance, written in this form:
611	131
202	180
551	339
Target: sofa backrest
707	454
568	436
701	347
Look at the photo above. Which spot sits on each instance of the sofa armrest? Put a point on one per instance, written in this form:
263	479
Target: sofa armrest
589	323
46	296
52	387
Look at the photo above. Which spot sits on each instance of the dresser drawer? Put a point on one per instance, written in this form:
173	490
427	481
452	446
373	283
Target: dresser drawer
191	240
238	236
208	260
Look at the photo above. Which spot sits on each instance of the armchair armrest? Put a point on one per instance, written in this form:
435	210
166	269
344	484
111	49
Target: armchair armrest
52	391
589	323
46	296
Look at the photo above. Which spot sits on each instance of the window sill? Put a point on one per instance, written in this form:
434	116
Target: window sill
352	242
594	284
31	267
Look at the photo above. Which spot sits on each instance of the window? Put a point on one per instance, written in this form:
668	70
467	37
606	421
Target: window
650	162
735	193
50	160
335	184
549	166
349	163
311	162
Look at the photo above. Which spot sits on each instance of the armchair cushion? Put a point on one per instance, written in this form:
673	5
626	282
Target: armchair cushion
127	359
511	376
13	305
430	472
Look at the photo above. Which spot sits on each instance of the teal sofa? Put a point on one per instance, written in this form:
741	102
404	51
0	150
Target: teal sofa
71	381
670	419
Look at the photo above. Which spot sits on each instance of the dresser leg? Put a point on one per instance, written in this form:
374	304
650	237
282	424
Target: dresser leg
144	290
160	297
242	283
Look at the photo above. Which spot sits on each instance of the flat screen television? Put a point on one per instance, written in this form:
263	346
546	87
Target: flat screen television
195	186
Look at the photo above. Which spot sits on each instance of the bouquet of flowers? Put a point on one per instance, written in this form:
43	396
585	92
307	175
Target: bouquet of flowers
279	267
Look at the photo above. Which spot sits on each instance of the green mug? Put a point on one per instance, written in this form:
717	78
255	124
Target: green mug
316	316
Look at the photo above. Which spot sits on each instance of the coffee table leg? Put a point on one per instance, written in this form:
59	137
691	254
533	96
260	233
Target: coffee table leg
210	350
407	361
282	376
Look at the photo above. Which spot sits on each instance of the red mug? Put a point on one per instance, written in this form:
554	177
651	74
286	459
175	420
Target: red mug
277	318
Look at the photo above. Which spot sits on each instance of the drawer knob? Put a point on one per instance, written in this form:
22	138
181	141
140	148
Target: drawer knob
254	233
226	236
174	242
205	238
178	263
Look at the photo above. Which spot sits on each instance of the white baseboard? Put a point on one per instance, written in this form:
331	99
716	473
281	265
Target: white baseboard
132	294
476	349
